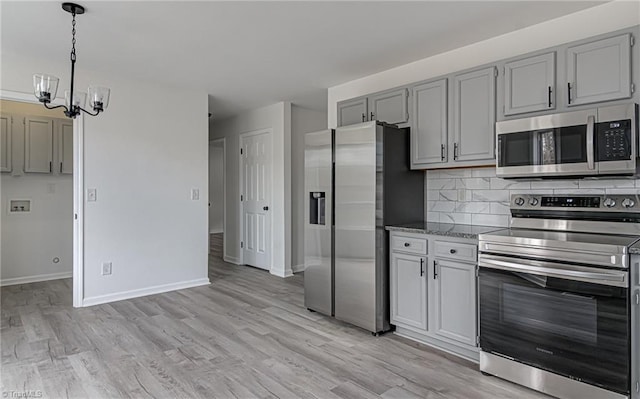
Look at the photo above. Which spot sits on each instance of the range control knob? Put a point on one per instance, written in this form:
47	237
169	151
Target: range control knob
609	202
533	201
519	201
628	203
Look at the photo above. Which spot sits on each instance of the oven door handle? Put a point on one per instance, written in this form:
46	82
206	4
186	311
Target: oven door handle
609	277
591	121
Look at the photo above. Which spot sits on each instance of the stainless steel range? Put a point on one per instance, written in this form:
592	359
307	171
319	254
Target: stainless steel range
559	293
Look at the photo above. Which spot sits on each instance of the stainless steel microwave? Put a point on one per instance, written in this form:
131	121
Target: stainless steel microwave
593	142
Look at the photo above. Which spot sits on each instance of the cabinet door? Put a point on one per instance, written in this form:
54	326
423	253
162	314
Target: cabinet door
38	144
429	130
599	71
352	111
408	283
65	146
529	84
474	115
6	148
390	106
453	301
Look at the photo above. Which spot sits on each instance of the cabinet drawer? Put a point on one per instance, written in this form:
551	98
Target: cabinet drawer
456	250
412	245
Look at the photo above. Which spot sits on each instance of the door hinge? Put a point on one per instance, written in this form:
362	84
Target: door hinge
504	71
637	386
495	71
477	340
637	298
632	40
477	268
241	244
633	88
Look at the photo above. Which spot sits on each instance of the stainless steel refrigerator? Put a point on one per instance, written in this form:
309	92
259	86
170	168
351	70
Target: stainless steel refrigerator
357	181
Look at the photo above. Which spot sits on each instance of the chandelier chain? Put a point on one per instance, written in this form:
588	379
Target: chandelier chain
73	37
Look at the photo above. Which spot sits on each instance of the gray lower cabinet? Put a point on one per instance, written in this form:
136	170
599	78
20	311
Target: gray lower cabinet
529	84
6	148
352	111
453	300
434	299
474	115
599	70
408	283
389	106
429	130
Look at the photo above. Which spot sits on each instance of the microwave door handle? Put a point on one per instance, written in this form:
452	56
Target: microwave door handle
591	121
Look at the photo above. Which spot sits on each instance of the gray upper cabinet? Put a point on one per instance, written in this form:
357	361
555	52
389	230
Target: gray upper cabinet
38	145
352	111
529	84
599	71
389	106
65	146
429	130
474	115
6	148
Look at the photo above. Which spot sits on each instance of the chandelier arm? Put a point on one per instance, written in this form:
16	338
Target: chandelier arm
87	112
57	106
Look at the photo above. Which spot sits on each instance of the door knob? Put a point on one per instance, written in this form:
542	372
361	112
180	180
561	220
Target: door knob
265	208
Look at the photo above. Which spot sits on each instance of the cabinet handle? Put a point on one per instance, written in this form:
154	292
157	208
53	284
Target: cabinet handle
60	167
371	117
455	151
569	91
549	93
406	244
442	152
50	167
363	116
421	267
435	269
452	251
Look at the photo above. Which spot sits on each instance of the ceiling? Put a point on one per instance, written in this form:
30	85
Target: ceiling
251	54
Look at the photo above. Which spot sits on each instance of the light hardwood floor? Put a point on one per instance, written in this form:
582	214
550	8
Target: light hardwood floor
246	335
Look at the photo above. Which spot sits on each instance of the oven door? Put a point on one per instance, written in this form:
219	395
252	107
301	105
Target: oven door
547	146
568	319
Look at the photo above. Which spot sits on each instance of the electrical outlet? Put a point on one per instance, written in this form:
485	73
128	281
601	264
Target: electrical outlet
92	195
195	194
106	268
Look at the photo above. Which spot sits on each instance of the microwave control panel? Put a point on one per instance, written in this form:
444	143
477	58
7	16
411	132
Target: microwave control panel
613	140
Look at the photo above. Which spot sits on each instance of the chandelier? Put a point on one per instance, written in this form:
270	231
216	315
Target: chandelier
45	86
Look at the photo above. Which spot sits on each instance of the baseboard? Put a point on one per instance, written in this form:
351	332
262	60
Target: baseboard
231	259
35	279
158	289
298	268
281	273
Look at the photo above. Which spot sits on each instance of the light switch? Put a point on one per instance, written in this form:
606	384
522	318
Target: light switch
195	194
92	195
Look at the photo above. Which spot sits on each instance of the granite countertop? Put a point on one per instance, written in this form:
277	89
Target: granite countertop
446	229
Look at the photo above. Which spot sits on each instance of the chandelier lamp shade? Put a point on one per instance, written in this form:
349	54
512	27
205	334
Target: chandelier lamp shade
45	87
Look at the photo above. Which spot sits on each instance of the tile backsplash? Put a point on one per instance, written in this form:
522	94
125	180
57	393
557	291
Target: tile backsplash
476	196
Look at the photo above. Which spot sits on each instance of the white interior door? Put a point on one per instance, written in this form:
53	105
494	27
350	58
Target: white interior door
256	195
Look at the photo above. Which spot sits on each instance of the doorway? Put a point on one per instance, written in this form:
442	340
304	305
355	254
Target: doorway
39	175
255	198
217	192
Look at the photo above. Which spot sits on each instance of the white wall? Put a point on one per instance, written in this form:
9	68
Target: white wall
303	121
143	155
216	187
590	22
276	118
30	241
